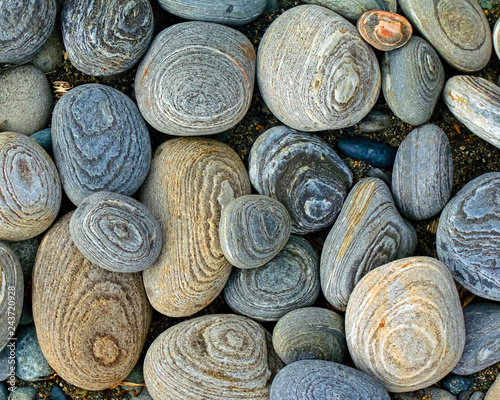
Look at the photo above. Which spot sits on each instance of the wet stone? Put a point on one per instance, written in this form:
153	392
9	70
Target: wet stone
363	149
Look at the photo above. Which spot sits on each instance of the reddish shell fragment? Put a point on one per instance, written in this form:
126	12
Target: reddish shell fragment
384	30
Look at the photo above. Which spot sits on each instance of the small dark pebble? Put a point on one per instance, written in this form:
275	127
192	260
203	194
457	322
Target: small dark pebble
3	392
374	153
31	363
57	393
26	315
24	393
470	394
44	139
456	384
376	120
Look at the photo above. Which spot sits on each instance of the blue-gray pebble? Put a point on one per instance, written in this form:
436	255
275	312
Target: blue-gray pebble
23	393
4	364
456	384
4	394
100	142
31	363
324	380
482	340
376	120
25	251
370	151
57	393
44	139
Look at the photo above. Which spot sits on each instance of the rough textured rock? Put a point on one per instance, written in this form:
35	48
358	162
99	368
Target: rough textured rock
25	251
31	365
384	30
353	9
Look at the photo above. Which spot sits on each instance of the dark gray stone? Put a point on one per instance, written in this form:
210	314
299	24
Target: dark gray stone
26	314
4	394
370	151
31	363
23	393
57	393
376	120
456	384
25	251
51	55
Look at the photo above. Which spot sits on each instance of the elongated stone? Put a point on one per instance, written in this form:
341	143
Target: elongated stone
468	236
375	153
404	324
457	29
368	233
475	102
353	9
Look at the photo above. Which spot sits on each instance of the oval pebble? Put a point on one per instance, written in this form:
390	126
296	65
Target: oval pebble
229	12
100	142
310	333
353	9
44	139
91	323
30	187
384	30
25	99
197	78
368	233
319	379
106	37
429	393
11	276
475	102
116	232
287	282
24	393
303	173
377	120
370	151
191	179
253	230
412	81
336	76
422	176
52	53
482	340
25	26
457	384
214	357
31	365
457	29
468	236
404	324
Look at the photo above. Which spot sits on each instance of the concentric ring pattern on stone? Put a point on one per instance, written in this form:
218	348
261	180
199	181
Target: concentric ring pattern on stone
468	236
197	78
287	282
100	142
116	232
353	9
106	37
404	324
321	380
214	357
384	30
25	26
314	70
91	323
253	230
30	190
303	173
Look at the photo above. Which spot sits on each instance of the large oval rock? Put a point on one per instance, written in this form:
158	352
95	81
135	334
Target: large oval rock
482	345
475	102
100	142
457	29
214	357
91	323
412	81
197	78
404	324
423	173
25	26
106	37
353	9
303	173
30	188
11	294
321	76
368	233
468	236
318	380
190	180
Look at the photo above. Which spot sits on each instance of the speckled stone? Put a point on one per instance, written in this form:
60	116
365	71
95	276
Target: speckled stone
25	251
31	364
24	393
456	384
44	139
25	100
370	151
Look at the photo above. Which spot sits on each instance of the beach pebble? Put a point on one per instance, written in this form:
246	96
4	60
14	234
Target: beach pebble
482	345
25	251
5	364
384	30
24	393
456	384
468	236
494	391
52	52
429	393
4	394
423	173
57	393
475	396
370	151
44	139
25	100
31	365
378	173
376	120
353	9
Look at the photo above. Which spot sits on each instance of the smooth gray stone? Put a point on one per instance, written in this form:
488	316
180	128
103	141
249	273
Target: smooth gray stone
25	25
457	29
31	364
100	142
303	173
23	393
4	394
482	340
368	233
429	393
378	173
468	236
287	282
376	120
324	380
412	81
25	251
52	52
106	37
25	100
353	9
422	176
477	396
228	12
